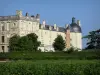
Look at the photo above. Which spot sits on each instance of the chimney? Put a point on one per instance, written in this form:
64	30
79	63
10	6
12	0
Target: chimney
73	20
19	13
50	27
44	23
27	14
37	16
57	29
55	26
66	25
78	22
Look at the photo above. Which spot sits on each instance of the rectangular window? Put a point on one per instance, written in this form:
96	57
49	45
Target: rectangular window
3	39
3	28
3	48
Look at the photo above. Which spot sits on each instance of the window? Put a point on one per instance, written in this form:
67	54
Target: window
3	28
14	24
3	48
2	39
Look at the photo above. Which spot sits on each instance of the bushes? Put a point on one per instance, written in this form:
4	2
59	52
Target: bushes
51	55
25	43
3	56
57	68
51	63
70	50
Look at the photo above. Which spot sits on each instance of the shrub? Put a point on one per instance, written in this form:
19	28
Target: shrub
70	50
59	43
24	43
47	68
93	54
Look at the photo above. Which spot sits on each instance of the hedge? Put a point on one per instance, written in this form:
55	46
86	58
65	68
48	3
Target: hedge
50	55
58	68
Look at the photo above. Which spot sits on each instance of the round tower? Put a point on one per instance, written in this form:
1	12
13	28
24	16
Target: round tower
76	34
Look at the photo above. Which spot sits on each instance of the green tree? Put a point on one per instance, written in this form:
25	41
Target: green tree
34	38
93	40
25	43
13	42
59	43
98	38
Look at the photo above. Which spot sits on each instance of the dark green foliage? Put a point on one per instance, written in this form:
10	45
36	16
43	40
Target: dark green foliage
70	50
95	54
59	43
93	40
13	43
33	37
51	63
50	68
25	43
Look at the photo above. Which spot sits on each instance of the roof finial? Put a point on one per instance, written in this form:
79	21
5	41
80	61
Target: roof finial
73	19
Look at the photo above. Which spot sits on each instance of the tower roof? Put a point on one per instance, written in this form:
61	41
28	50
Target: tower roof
75	28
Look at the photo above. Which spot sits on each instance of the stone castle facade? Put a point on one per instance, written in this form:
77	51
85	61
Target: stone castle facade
23	25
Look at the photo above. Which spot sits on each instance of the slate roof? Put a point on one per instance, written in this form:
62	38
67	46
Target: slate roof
75	28
61	29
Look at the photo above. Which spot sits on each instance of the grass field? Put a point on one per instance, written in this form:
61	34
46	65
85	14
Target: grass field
57	63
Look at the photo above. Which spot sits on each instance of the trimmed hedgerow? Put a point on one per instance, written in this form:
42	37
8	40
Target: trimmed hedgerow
50	55
50	68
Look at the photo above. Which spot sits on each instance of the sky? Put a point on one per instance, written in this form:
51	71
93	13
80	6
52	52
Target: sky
58	11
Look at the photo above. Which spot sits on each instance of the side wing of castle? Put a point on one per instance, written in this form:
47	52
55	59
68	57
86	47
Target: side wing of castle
23	25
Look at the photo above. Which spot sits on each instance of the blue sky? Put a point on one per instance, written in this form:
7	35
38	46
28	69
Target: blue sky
58	11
